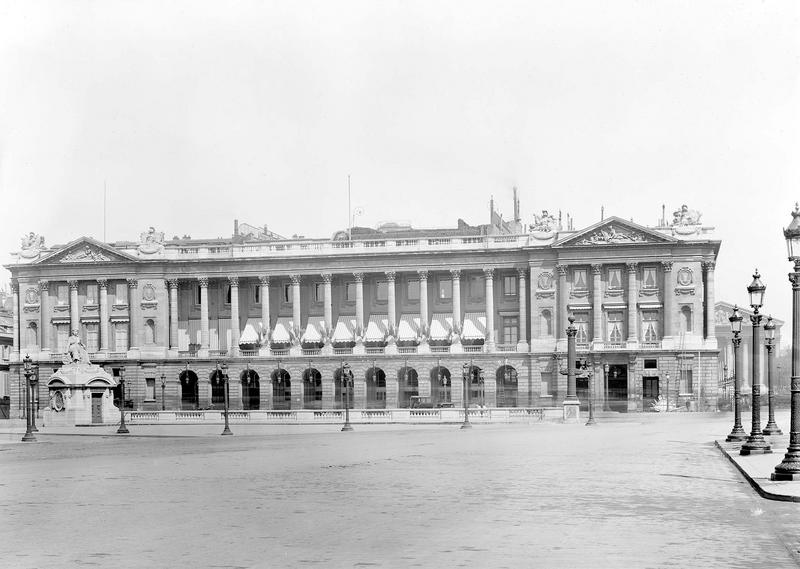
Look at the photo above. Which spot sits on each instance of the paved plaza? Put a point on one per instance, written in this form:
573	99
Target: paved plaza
639	491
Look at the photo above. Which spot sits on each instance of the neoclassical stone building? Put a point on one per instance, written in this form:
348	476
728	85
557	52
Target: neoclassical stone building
406	308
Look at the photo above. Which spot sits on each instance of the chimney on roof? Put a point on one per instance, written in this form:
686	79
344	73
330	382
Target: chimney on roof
235	227
517	218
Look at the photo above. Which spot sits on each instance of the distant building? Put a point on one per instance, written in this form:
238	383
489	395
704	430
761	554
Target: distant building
406	308
6	340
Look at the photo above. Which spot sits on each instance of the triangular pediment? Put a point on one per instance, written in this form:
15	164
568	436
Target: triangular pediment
86	250
613	231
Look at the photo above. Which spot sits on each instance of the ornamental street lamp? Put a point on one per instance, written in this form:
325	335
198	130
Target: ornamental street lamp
605	386
755	443
737	433
465	373
224	379
667	397
771	428
586	372
572	331
789	468
28	437
163	389
123	430
346	378
34	397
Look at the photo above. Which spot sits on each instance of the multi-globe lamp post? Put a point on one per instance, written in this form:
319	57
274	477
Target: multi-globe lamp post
737	433
224	378
28	437
771	428
755	443
789	468
346	379
123	429
163	389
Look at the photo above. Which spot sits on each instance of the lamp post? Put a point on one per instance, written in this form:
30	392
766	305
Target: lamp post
163	389
587	372
667	398
466	372
737	434
789	468
771	428
346	376
755	443
28	437
224	379
34	396
572	331
123	430
605	386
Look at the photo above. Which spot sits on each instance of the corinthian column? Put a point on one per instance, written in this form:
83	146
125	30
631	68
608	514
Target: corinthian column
234	282
133	315
708	306
15	320
204	334
264	284
597	305
632	312
102	286
562	301
296	302
455	276
490	339
172	284
522	343
423	310
74	319
669	299
44	315
390	285
359	278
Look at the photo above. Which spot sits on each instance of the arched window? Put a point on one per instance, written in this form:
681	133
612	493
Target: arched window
149	332
547	323
686	318
31	336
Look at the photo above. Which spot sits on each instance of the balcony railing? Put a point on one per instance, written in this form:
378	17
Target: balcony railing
342	351
376	350
651	345
407	349
440	349
473	349
311	351
248	353
613	345
506	347
280	351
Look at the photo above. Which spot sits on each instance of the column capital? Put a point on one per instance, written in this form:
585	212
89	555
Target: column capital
133	283
295	279
359	277
102	283
423	275
794	278
631	266
233	280
44	285
522	273
390	276
172	282
596	268
562	270
264	280
488	272
455	274
203	282
708	266
73	284
326	278
667	266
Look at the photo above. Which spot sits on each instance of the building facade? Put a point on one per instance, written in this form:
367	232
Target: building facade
407	309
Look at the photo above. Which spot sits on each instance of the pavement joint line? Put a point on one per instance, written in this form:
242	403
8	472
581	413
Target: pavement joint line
756	486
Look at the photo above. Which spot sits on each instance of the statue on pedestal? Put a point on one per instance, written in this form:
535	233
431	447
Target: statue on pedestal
76	351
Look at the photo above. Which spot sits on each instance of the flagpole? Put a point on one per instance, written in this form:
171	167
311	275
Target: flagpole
349	212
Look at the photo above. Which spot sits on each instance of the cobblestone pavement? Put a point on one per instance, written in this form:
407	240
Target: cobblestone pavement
648	491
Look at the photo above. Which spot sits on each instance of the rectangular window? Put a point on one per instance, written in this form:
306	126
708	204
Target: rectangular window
548	387
650	326
412	290
62	332
350	292
687	382
614	279
287	293
649	278
150	389
582	325
257	294
510	286
121	337
63	294
579	279
92	338
319	292
91	294
227	294
650	387
197	297
614	327
121	294
445	289
477	287
381	291
650	364
510	329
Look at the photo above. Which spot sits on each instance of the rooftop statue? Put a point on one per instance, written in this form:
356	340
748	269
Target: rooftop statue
32	244
686	216
151	241
544	222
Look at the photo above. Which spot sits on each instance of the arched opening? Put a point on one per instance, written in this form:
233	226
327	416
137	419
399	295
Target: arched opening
251	390
376	388
441	387
190	395
507	382
476	394
281	390
149	332
340	388
217	390
408	386
312	388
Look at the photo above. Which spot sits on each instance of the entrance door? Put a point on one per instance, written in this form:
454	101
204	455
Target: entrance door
618	388
97	407
649	392
582	391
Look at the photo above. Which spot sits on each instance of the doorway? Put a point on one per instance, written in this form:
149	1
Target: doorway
618	388
97	407
649	392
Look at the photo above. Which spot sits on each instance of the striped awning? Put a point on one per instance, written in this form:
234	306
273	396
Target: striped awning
441	325
377	328
314	327
250	333
408	327
474	326
280	333
345	329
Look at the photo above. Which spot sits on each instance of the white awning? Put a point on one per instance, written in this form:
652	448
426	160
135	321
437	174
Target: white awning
441	325
280	333
474	326
313	332
345	329
377	328
408	327
250	333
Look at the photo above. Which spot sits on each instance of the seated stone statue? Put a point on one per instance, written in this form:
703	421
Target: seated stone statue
76	351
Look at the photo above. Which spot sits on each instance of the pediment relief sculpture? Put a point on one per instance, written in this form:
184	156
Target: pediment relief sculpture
87	254
610	235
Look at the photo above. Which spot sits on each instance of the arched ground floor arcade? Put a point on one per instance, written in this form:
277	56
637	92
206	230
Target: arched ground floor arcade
619	381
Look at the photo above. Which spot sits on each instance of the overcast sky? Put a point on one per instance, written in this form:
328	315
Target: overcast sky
196	113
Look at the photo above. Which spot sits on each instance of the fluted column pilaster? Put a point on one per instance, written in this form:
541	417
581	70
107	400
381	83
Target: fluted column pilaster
102	287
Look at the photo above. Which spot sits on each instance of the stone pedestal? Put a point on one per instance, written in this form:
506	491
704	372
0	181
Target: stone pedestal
75	390
457	347
359	349
423	348
572	411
